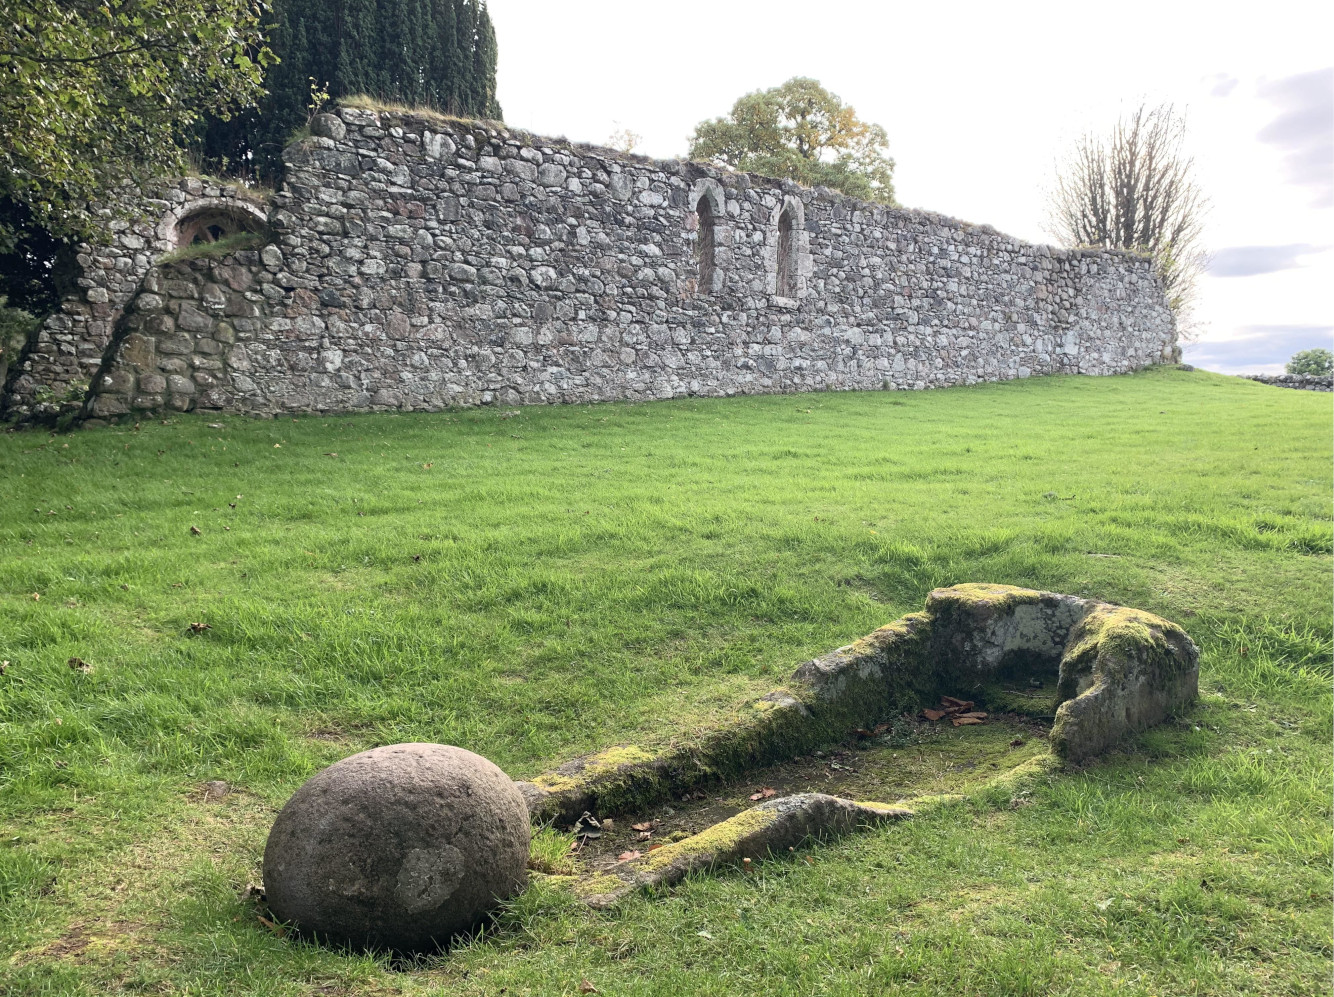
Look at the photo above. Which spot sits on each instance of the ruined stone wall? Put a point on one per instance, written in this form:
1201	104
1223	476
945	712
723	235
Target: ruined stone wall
56	371
421	263
1302	382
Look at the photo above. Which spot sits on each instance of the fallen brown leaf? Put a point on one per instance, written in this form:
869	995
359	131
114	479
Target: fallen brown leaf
37	597
195	531
654	848
628	856
4	667
277	929
643	835
647	825
763	794
79	665
587	988
199	628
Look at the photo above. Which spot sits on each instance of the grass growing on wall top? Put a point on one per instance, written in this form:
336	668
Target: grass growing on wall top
540	582
217	249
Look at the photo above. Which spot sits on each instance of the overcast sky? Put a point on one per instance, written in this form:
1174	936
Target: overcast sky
980	99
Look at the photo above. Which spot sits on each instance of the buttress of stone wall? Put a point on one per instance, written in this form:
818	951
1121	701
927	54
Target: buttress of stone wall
421	262
54	374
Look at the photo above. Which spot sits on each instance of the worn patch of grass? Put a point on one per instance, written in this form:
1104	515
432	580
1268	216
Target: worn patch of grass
536	584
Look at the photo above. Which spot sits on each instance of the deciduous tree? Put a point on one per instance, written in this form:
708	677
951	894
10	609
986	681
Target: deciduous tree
800	131
94	92
1135	189
1317	361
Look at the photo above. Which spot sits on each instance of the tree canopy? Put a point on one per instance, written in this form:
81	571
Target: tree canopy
800	131
434	53
94	92
1317	361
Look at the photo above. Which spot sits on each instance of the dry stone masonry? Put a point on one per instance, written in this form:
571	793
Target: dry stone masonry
417	262
1302	382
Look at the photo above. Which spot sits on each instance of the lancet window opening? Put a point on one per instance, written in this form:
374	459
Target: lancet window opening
787	257
704	245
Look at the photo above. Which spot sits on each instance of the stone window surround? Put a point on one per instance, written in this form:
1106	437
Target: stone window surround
711	189
801	249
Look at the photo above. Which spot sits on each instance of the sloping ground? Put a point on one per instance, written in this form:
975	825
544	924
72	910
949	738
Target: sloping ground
542	583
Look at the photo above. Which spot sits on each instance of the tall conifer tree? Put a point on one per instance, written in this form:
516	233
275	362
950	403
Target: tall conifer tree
437	53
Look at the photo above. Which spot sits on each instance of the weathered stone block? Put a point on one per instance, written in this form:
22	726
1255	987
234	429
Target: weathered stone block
191	319
117	381
106	406
551	175
328	126
139	351
176	345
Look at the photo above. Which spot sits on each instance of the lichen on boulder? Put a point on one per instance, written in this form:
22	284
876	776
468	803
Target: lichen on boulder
401	847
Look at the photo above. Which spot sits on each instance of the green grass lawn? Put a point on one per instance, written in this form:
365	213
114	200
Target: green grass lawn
532	584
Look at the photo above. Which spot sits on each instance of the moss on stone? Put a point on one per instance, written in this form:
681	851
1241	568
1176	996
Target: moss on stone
889	808
1120	628
599	885
594	766
1123	670
967	638
712	841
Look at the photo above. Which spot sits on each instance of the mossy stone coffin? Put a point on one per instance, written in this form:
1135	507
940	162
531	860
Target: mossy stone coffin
1118	670
400	847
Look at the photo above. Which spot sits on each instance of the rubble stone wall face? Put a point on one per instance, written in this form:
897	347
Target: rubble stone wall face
420	263
1302	382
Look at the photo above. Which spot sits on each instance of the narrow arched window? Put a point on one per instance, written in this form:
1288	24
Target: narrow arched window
787	257
704	242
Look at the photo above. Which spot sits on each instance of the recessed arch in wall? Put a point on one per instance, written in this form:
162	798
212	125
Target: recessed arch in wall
708	221
787	251
209	219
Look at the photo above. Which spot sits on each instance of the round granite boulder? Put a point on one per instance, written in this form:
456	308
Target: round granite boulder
400	847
